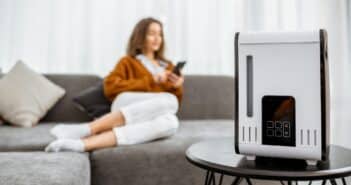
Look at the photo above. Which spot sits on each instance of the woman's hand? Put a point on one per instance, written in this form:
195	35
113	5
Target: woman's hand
161	77
176	80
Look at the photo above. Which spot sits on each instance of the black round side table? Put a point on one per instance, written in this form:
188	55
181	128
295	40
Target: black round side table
218	156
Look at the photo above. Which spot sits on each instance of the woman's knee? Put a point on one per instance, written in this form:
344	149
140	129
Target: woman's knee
170	101
172	123
121	100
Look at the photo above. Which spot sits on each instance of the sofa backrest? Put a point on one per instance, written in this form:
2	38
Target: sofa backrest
205	97
65	110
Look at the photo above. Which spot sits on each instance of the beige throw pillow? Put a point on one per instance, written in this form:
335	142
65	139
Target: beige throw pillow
26	96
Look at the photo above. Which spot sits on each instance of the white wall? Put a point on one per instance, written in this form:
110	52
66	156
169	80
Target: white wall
89	36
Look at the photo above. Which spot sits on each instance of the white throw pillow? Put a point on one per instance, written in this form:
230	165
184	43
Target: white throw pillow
26	96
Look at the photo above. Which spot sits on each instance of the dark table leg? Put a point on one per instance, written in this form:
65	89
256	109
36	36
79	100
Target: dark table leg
343	181
221	179
236	181
206	180
248	181
211	178
291	182
332	181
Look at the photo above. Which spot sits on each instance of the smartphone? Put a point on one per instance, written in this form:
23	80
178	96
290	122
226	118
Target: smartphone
179	67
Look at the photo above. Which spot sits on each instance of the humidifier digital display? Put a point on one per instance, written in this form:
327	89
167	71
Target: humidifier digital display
278	120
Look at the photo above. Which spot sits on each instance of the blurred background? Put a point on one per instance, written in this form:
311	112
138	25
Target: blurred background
89	36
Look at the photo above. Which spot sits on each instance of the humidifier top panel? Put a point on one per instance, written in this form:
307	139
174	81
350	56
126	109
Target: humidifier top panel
279	37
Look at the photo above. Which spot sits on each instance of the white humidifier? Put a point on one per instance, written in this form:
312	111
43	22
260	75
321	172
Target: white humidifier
282	95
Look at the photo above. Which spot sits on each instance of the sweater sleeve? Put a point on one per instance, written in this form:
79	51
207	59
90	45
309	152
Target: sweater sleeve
117	81
178	92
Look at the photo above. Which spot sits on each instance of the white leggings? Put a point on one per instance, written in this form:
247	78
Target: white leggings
148	116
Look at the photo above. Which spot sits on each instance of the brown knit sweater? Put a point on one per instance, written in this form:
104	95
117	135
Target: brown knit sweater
130	74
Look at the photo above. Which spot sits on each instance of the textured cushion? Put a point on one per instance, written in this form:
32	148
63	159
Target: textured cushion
207	97
38	137
93	101
26	96
39	168
25	139
65	110
158	162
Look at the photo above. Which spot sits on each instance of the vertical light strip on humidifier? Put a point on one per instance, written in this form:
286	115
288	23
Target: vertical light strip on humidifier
249	85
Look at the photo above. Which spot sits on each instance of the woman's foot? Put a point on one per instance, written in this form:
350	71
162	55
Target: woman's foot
75	145
71	131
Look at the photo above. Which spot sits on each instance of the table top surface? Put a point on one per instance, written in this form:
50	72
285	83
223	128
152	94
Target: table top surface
219	156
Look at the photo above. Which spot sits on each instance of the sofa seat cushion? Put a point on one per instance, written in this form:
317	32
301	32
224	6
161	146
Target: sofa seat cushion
158	162
205	129
25	139
40	168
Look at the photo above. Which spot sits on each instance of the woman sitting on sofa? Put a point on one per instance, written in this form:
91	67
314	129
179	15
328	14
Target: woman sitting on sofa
145	96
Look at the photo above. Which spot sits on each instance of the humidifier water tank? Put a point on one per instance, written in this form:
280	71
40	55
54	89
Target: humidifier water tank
282	95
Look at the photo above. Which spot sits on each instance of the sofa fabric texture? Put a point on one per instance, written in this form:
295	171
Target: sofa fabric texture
40	168
207	112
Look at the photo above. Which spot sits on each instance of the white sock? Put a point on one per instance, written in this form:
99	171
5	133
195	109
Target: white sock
75	145
71	131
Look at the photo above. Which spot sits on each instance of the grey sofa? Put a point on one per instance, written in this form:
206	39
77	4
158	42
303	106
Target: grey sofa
207	112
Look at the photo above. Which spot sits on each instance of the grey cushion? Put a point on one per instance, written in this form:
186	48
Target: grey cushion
25	139
158	162
37	138
65	110
40	168
207	97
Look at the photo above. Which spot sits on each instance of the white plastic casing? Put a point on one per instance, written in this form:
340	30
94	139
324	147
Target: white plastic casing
286	64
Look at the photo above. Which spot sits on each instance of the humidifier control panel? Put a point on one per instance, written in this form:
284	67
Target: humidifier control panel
278	120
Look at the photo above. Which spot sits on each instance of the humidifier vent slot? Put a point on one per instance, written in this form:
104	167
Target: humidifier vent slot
249	85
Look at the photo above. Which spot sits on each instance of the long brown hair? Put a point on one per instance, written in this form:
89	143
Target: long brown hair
136	42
